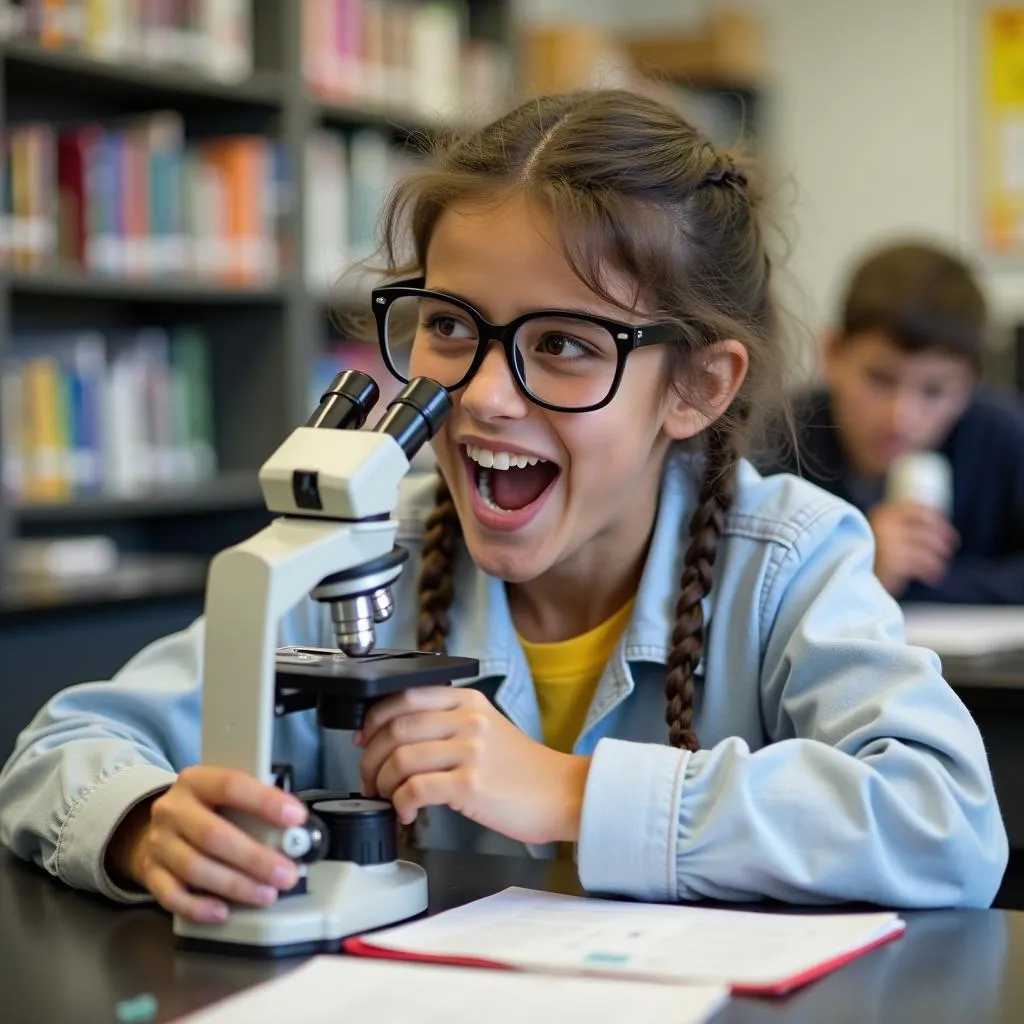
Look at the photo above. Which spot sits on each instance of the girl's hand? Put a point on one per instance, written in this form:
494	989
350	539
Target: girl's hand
448	745
191	859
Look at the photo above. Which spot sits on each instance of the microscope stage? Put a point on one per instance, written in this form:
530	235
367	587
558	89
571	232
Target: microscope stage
368	676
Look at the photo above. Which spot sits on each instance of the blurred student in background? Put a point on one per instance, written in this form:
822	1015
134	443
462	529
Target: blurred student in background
901	377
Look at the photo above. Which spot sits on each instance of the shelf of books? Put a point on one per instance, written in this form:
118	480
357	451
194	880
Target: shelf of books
154	267
134	200
189	47
415	64
88	414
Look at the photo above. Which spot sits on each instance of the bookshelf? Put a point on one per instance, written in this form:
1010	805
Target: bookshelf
29	65
158	96
228	491
70	283
264	328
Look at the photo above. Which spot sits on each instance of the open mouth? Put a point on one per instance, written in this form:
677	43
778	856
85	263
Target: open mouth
507	481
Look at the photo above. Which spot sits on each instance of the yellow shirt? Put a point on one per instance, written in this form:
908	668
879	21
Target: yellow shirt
566	674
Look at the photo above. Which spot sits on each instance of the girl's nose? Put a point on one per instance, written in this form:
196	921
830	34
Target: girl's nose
492	392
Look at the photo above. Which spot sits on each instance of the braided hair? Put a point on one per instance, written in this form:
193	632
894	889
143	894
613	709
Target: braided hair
706	527
436	588
633	188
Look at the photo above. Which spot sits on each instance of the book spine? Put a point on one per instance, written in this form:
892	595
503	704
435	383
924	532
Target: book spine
51	24
12	420
6	209
71	232
191	356
327	214
89	361
46	478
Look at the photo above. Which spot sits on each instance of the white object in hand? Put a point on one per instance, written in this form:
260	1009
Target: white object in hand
922	477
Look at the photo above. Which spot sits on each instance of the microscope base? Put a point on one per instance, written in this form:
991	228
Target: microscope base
342	899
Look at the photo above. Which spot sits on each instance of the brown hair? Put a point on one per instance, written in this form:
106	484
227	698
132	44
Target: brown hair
921	297
636	188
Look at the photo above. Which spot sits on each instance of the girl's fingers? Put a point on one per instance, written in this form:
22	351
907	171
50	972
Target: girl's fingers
418	699
202	873
224	787
421	791
420	727
173	896
211	834
418	759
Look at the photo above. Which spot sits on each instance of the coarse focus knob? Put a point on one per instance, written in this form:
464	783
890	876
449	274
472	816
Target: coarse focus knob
359	830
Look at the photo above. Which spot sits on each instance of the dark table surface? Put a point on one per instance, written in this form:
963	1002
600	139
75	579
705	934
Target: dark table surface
67	956
1000	671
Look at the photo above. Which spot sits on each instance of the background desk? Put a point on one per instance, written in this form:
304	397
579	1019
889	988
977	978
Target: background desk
68	957
992	687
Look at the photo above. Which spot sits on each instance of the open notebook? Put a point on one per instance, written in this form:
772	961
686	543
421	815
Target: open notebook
329	989
750	952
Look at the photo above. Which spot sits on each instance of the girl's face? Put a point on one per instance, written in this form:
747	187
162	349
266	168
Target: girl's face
593	488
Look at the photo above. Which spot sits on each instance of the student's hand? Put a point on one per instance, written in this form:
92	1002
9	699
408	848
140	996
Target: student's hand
178	842
449	745
912	542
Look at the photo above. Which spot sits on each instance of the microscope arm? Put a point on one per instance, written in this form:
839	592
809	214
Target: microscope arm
250	588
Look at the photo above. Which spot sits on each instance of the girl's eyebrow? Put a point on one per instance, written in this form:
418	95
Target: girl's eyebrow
455	295
554	309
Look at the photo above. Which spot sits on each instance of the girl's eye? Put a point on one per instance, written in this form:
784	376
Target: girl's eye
565	346
445	326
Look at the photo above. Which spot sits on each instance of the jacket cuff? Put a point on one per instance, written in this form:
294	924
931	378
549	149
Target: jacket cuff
93	819
630	820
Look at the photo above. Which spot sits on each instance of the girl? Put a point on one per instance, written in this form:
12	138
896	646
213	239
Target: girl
687	672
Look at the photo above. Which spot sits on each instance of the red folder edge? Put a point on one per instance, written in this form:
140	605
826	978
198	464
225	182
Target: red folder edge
787	985
359	947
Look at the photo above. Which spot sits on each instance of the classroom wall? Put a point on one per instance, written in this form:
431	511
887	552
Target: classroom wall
868	125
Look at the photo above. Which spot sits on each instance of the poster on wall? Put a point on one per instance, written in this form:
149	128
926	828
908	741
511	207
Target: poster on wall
1001	142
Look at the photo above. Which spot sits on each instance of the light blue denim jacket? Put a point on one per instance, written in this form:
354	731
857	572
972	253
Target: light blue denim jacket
836	763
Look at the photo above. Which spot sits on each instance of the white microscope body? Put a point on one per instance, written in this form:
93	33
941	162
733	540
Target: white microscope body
335	487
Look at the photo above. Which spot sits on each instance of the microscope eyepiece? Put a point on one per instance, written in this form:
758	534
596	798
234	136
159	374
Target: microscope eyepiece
416	414
347	402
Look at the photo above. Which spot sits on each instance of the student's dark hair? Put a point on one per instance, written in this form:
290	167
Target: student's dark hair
634	189
920	296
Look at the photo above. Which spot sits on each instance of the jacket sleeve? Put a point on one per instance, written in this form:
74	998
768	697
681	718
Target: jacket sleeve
874	785
97	749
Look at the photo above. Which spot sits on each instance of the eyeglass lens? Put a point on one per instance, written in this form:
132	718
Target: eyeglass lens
566	361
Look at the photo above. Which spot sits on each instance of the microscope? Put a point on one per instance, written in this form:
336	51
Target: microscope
334	486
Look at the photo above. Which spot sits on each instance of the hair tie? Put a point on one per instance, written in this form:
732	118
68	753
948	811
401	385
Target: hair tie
727	174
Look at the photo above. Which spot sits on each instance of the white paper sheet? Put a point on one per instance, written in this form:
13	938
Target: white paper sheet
965	630
542	931
326	990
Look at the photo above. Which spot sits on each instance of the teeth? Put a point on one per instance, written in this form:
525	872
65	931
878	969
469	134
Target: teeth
491	459
484	487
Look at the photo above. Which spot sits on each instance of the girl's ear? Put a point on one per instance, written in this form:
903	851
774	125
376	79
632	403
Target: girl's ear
724	368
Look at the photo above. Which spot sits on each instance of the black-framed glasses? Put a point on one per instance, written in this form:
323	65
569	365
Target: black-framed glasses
560	360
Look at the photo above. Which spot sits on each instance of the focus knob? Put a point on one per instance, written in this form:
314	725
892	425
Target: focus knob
359	830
